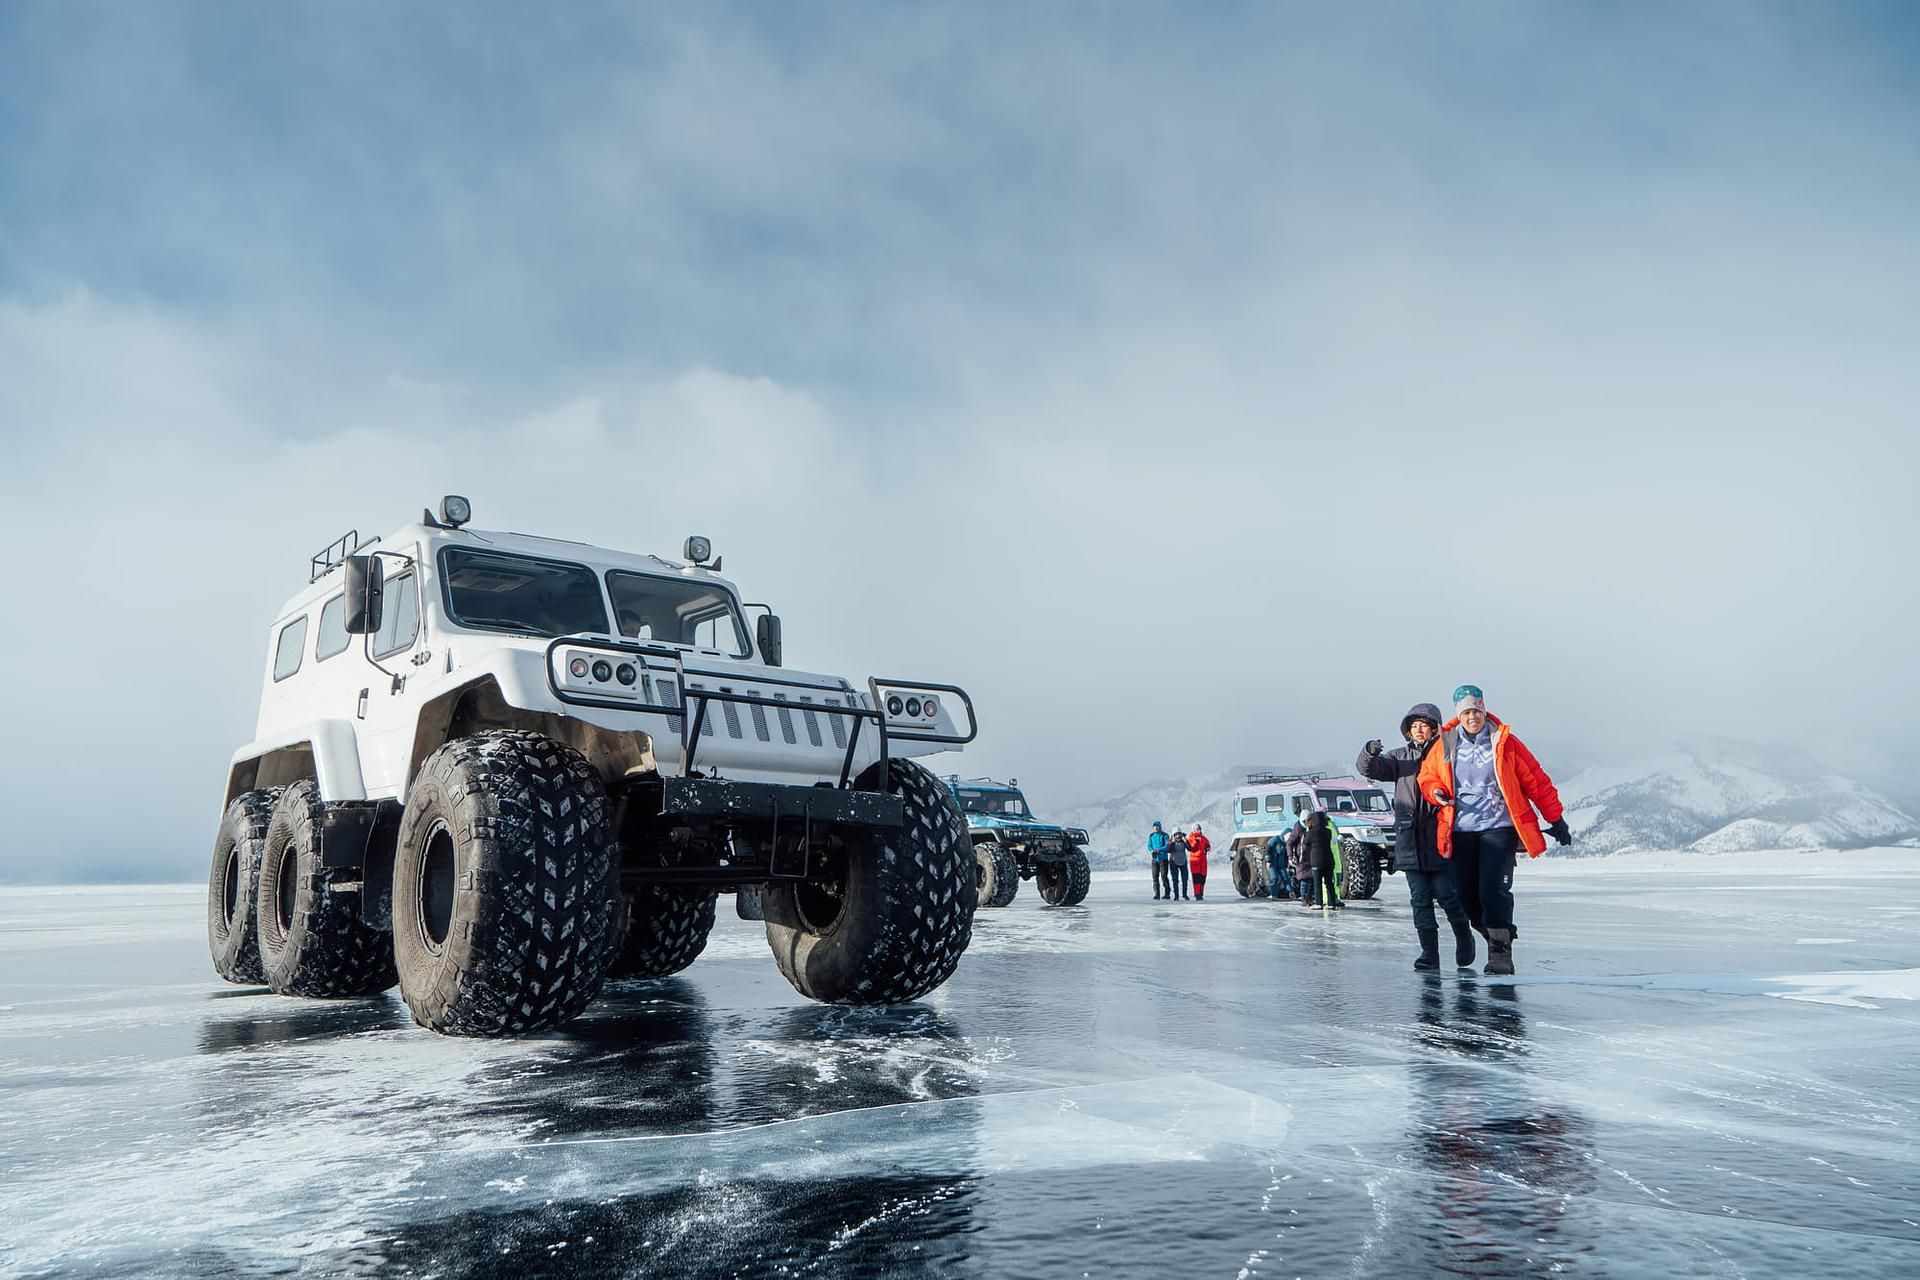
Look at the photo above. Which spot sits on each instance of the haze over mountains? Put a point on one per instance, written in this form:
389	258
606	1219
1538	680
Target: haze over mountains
1706	795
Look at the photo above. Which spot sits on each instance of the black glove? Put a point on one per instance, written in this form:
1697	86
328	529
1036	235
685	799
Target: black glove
1558	830
1374	747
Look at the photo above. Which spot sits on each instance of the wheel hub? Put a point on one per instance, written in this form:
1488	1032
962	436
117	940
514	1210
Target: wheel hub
435	912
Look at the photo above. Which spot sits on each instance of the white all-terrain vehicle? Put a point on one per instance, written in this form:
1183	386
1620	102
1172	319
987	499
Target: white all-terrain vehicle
498	769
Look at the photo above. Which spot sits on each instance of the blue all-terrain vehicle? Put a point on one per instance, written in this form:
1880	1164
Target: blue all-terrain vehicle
1011	845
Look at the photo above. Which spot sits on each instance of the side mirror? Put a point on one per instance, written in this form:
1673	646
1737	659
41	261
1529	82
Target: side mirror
767	632
366	591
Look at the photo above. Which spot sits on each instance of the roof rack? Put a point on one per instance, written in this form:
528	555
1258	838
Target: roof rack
333	555
1259	776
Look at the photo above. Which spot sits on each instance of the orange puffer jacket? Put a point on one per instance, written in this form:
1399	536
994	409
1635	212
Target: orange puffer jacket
1197	848
1523	782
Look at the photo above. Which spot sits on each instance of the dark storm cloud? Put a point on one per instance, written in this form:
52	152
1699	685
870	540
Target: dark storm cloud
1194	388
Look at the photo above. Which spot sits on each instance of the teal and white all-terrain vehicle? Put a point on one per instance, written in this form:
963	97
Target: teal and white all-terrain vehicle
1011	845
1272	802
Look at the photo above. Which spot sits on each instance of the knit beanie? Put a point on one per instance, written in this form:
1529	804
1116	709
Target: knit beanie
1468	698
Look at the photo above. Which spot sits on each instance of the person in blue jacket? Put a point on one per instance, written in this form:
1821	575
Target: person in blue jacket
1157	849
1277	865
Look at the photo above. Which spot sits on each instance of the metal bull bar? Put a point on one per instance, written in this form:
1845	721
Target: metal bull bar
692	700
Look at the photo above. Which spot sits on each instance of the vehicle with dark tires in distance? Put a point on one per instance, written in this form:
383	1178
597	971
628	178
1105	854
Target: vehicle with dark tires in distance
497	769
1272	801
1011	845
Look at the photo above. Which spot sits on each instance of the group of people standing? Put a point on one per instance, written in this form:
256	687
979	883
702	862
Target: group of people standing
1468	797
1308	854
1177	856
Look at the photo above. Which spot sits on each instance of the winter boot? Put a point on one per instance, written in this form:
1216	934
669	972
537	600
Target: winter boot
1463	948
1499	952
1429	957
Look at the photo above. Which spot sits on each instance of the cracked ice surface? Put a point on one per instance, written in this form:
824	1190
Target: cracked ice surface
1703	1068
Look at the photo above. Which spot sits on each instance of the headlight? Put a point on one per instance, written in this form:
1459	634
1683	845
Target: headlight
625	673
913	707
602	670
577	668
894	705
930	706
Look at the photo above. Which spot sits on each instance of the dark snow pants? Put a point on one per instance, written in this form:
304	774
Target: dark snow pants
1162	882
1323	890
1483	873
1180	878
1424	888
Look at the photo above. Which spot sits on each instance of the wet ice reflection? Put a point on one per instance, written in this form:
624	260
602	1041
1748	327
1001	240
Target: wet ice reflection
1123	1088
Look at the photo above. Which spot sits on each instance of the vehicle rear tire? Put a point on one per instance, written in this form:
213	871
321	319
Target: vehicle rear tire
1250	874
506	886
1064	883
1359	870
663	929
231	937
313	940
996	874
888	913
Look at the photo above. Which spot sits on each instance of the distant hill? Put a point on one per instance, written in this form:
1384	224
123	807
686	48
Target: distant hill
1707	795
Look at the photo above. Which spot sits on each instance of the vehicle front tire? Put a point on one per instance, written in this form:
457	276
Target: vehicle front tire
663	929
996	874
1250	874
1064	883
1359	870
887	914
313	941
231	937
505	886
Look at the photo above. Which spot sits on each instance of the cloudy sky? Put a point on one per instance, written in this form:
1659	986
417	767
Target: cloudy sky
1194	385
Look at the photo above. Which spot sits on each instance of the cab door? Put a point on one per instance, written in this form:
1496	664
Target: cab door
385	710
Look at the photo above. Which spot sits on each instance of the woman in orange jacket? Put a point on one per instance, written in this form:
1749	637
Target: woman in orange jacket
1487	785
1197	847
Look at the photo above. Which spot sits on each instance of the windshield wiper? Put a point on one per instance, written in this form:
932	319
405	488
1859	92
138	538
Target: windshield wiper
504	624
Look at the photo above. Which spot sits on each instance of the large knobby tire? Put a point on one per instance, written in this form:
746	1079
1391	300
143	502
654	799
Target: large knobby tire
313	941
663	929
231	937
1359	870
996	874
890	912
505	886
1064	883
1250	878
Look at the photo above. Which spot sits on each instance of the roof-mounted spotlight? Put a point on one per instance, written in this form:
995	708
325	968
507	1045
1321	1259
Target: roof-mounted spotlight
455	511
698	549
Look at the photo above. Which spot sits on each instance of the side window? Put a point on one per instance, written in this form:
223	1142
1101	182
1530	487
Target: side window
333	629
401	619
1276	804
1301	804
286	653
1250	804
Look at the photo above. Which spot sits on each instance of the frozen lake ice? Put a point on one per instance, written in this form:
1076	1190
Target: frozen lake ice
1706	1066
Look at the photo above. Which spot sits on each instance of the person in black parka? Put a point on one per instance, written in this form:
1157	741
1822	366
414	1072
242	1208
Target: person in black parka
1416	849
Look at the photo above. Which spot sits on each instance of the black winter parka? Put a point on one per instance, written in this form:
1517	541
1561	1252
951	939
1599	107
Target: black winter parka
1415	846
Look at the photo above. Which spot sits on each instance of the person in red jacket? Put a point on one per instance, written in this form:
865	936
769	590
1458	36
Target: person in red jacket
1197	846
1487	785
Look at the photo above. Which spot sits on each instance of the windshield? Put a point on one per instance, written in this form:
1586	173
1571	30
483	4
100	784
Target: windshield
1004	803
1341	800
677	611
492	591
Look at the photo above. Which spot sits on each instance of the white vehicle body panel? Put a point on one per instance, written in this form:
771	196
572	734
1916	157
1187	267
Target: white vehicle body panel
360	722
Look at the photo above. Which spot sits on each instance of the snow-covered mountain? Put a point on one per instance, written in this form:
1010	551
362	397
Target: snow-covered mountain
1720	797
1707	795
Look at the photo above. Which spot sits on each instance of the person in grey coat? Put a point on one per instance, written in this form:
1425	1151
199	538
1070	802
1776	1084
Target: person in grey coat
1416	850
